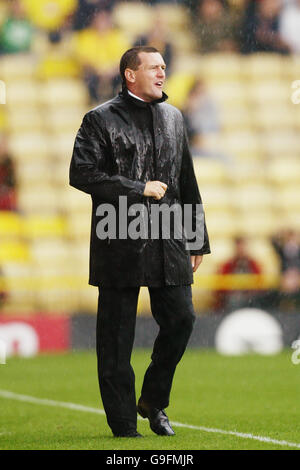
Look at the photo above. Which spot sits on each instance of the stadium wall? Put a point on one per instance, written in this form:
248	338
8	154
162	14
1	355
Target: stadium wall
31	335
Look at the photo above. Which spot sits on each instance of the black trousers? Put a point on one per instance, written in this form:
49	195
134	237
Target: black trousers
173	311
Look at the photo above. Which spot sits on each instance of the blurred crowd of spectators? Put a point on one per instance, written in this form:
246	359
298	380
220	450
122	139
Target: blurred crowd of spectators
243	26
285	298
95	44
239	25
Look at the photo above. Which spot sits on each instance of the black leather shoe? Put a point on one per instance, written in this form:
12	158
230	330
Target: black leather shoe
159	422
128	434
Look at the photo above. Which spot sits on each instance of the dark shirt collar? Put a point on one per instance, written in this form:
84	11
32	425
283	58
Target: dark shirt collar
137	102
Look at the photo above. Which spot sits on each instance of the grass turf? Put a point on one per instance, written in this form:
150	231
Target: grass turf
250	394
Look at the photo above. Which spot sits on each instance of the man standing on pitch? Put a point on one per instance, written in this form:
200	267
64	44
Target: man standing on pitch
134	147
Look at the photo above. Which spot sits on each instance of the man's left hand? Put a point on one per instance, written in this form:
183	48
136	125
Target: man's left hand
196	260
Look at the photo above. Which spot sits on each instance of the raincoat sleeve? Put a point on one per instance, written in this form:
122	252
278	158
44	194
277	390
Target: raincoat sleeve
90	161
190	194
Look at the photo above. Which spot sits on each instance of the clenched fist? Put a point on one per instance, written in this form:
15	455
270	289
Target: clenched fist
155	189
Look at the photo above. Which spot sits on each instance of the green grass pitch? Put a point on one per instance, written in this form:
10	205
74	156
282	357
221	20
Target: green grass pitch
255	395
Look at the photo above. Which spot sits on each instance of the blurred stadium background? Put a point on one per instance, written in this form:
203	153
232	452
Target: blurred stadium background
231	66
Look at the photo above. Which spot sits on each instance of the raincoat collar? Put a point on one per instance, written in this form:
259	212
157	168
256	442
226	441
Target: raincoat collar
143	104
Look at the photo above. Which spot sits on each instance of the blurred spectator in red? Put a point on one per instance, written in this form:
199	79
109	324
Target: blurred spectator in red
98	49
289	26
158	37
7	178
240	263
16	32
260	30
216	27
87	9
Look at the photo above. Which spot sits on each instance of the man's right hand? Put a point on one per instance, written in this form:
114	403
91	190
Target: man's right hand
155	189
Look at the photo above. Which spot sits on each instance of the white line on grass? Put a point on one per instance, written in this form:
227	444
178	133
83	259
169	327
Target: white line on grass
74	406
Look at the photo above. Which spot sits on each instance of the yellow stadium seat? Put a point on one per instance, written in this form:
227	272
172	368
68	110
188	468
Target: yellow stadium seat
24	119
61	145
38	199
221	223
268	92
241	145
18	272
284	170
18	285
58	92
134	17
176	17
17	67
64	118
50	253
216	197
79	253
55	290
247	171
34	172
253	197
221	68
292	68
237	118
281	143
72	200
208	170
275	117
13	251
10	225
29	145
60	177
22	93
291	219
190	63
39	226
184	43
79	226
263	66
288	197
228	93
261	223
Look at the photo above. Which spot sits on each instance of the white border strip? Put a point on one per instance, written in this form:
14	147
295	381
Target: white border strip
73	406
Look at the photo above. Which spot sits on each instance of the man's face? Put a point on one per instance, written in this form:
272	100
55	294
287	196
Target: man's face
147	81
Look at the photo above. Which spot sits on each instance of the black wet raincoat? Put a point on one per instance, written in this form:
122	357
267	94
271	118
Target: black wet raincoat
120	146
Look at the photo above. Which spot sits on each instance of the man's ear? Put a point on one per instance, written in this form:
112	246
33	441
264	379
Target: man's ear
130	75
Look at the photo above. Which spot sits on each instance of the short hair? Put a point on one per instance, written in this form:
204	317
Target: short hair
130	59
